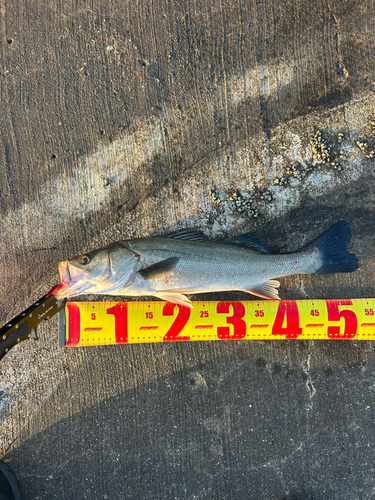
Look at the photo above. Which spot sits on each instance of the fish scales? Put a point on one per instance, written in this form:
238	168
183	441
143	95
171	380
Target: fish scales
207	267
169	267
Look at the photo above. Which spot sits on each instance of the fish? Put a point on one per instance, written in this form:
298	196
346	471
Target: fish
185	262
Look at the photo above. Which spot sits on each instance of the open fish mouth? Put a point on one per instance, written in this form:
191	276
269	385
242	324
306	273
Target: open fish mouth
71	277
74	281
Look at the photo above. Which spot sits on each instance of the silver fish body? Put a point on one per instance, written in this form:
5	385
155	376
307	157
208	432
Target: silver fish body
168	268
204	267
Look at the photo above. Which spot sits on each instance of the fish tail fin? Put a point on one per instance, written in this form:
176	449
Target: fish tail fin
332	249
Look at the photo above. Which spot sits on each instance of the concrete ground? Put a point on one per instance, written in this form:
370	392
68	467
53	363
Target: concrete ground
124	119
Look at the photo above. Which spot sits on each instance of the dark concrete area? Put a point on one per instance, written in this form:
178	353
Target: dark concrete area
118	119
267	420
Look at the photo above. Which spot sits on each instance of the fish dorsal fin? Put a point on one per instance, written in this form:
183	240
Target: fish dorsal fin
247	240
159	269
266	290
186	234
250	240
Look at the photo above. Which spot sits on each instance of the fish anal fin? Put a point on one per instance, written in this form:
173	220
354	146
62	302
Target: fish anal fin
266	290
175	298
159	269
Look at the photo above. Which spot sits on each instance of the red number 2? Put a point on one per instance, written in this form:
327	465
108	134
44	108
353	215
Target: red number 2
239	325
178	324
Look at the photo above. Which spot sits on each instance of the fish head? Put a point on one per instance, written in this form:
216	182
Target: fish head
104	271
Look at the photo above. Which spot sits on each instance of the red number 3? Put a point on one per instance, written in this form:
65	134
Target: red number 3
239	325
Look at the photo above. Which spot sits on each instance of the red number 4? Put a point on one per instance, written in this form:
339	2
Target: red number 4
288	311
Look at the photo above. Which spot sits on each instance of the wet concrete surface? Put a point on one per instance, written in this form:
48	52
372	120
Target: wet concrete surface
118	121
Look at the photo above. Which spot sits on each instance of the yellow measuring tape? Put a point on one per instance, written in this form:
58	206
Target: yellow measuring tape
100	323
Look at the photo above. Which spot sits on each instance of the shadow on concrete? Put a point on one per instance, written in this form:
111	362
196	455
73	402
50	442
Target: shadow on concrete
208	432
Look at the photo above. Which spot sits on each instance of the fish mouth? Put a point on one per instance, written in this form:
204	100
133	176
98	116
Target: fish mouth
70	277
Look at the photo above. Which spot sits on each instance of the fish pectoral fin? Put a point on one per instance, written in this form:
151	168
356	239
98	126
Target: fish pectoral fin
175	298
159	269
266	290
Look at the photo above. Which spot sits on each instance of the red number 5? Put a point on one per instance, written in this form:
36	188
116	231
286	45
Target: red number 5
334	314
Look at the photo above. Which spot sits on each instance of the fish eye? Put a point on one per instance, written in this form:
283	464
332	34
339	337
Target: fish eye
85	259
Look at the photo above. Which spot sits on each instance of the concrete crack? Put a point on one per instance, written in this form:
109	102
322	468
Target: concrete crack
307	377
277	464
342	71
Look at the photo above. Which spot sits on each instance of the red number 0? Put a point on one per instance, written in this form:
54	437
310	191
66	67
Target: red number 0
239	325
120	312
74	324
178	324
334	314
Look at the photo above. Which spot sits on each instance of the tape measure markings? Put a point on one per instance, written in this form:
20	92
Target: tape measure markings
99	323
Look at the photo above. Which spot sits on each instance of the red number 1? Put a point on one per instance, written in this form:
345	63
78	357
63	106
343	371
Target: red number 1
120	312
